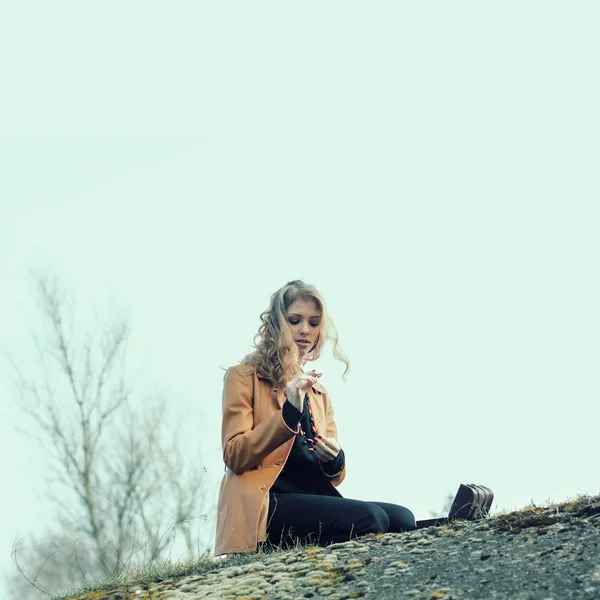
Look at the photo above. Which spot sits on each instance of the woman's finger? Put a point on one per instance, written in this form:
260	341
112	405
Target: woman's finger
321	454
330	443
323	451
303	383
302	377
305	376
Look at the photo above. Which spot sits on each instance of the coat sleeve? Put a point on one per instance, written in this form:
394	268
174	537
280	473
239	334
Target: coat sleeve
338	477
245	445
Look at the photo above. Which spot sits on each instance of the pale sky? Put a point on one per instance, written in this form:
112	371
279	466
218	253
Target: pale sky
431	167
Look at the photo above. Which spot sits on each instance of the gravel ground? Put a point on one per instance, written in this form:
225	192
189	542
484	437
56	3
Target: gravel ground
558	561
533	554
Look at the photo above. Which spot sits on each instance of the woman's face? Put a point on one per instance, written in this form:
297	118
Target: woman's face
304	318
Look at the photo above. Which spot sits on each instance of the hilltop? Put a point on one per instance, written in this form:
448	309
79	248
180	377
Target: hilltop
536	553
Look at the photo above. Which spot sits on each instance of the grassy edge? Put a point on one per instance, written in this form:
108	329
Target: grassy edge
564	506
168	570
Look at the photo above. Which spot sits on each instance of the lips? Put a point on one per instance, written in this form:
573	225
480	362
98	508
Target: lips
303	342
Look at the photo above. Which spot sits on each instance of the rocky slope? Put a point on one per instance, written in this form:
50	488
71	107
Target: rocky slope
535	553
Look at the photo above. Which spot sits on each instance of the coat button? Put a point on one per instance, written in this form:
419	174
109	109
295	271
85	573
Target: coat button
263	487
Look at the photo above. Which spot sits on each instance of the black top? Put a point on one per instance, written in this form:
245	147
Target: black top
303	472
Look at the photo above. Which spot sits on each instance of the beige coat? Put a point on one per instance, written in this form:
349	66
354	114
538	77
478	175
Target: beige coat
256	444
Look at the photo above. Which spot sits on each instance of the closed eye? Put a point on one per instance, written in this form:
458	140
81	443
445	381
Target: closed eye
295	321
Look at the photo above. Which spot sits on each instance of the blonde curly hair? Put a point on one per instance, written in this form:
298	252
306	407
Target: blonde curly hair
276	356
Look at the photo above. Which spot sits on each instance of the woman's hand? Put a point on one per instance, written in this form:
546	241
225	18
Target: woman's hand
297	388
326	449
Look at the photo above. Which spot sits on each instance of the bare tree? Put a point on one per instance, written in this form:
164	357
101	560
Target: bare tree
119	487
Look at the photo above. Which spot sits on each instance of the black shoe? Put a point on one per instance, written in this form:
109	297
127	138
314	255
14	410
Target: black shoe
471	502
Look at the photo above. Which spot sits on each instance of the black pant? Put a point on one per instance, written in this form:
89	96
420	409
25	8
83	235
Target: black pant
326	519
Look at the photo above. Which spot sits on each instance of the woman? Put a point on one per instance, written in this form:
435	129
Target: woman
283	460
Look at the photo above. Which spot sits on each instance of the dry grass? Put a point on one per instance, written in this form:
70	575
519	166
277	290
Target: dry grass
160	572
568	505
